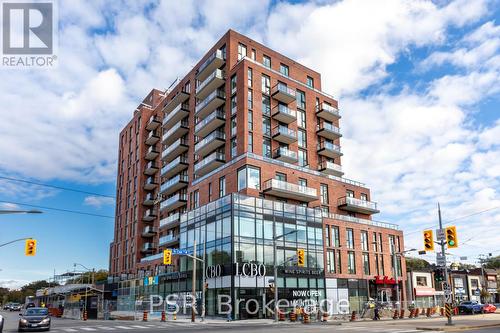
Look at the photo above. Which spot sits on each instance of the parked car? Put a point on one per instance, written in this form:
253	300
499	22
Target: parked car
470	307
34	319
6	306
1	323
15	307
489	308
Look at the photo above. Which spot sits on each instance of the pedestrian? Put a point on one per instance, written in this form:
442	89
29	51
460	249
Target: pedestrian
229	318
376	313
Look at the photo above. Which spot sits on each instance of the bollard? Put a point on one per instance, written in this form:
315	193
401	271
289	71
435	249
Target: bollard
402	314
306	318
281	316
163	316
293	317
325	317
145	316
85	315
353	316
442	311
412	313
423	312
428	314
417	312
175	315
395	316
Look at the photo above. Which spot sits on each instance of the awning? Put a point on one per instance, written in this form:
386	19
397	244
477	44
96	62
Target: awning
424	291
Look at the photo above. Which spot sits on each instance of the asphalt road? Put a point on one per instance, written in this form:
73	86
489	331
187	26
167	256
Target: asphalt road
96	326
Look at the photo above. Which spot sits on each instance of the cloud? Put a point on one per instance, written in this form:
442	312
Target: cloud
9	206
98	202
12	284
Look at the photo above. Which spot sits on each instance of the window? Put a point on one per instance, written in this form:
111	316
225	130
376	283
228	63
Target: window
196	199
266	105
338	261
242	51
310	82
302	138
366	264
391	244
266	61
301	118
210	192
249	77
364	240
327	235
266	84
301	99
222	187
284	69
250	99
351	263
234	148
422	281
266	147
187	87
350	238
302	182
234	126
250	120
248	177
364	197
349	193
323	188
380	242
377	267
382	267
280	176
266	126
335	236
330	264
253	54
234	103
302	157
250	142
233	84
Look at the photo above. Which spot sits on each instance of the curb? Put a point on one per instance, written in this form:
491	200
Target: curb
457	328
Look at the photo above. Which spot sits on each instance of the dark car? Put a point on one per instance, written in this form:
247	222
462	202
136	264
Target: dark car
34	319
470	307
15	307
6	306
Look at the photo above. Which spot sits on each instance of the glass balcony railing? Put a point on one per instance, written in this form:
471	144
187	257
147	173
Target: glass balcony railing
215	74
283	88
219	113
355	202
209	159
175	112
208	139
167	239
171	182
329	146
291	190
210	59
328	127
213	95
171	219
326	111
285	152
283	130
174	146
178	160
183	123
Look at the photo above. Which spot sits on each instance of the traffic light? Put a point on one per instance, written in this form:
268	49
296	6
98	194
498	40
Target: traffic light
428	240
438	275
167	257
451	237
30	247
300	258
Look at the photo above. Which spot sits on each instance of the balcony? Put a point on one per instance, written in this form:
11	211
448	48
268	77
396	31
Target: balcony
152	138
147	247
328	131
175	184
150	215
211	142
282	189
327	112
174	167
329	149
170	221
176	115
284	114
148	231
151	153
357	205
175	149
151	168
283	134
209	163
212	82
176	132
210	123
330	168
175	102
153	123
282	93
168	240
149	200
210	103
286	155
176	201
150	184
214	61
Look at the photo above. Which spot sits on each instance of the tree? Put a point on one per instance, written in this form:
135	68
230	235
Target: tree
492	262
415	264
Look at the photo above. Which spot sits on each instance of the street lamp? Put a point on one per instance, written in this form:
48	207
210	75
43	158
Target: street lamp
394	264
275	238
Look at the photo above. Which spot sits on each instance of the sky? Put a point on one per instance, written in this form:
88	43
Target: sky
418	86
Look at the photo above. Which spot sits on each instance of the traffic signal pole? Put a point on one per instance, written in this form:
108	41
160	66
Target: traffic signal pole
443	252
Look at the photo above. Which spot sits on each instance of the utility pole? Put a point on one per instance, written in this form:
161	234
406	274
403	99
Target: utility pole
395	264
193	301
446	279
203	280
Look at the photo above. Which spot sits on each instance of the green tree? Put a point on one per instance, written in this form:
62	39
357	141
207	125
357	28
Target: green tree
492	262
415	264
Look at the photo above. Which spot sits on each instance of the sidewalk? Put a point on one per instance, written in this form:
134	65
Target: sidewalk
461	322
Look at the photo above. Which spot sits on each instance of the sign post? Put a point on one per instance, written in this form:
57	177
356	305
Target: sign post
446	284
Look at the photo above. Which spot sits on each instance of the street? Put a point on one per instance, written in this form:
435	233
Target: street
69	325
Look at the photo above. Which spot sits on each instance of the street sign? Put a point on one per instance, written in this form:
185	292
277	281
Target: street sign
446	287
440	260
179	251
447	298
440	234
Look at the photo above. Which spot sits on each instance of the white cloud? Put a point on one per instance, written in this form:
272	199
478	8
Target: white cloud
97	201
9	206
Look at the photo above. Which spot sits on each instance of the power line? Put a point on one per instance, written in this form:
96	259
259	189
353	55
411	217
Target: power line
59	209
456	219
54	186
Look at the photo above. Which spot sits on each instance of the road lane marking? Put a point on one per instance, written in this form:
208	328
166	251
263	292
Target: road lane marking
124	327
106	328
69	330
138	326
88	329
